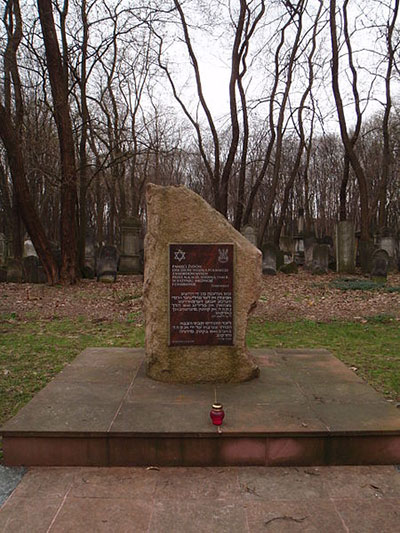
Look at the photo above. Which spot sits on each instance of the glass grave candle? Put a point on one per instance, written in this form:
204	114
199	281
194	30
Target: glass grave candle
217	414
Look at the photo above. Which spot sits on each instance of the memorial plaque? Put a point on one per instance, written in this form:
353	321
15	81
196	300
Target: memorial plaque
200	294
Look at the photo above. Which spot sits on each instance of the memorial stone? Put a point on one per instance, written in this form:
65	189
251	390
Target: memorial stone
309	243
250	233
201	280
29	249
107	264
380	265
89	268
269	259
130	261
14	270
286	244
387	242
289	268
345	247
320	259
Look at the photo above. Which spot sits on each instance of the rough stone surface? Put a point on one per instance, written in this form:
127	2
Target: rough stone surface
380	264
269	259
345	247
320	259
178	215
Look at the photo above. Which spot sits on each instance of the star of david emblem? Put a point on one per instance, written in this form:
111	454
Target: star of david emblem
180	255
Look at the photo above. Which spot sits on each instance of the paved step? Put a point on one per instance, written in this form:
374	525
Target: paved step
306	408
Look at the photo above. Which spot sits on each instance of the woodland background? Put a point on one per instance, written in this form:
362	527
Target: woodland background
100	97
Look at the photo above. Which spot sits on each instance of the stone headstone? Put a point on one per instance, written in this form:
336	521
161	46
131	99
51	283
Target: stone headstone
107	264
30	266
3	274
89	267
380	265
309	243
320	262
299	249
269	259
387	242
345	247
14	270
289	268
29	249
250	233
201	280
130	261
286	244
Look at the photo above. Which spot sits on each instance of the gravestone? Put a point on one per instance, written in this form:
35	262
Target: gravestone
345	247
130	261
309	243
298	249
387	242
107	264
380	265
29	249
320	259
201	280
250	233
286	244
289	268
30	265
89	267
14	270
269	259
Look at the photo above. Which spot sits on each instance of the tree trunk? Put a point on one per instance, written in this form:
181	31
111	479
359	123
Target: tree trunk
59	90
24	201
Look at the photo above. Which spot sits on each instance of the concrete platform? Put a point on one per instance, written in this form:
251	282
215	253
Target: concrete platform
307	408
330	499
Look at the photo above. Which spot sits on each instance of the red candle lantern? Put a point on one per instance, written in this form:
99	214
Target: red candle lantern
217	414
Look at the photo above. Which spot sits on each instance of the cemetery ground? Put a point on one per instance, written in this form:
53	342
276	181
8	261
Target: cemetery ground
43	328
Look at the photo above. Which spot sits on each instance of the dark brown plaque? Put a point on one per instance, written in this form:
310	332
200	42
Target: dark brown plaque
200	294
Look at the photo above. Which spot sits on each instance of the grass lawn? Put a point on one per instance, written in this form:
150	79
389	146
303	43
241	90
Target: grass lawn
33	351
372	347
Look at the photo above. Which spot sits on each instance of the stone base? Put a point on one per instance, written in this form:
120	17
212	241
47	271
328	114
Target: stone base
306	408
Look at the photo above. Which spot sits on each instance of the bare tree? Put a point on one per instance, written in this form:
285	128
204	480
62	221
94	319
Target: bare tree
59	88
347	142
11	135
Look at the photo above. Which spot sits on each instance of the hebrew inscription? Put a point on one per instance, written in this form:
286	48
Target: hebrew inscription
201	294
